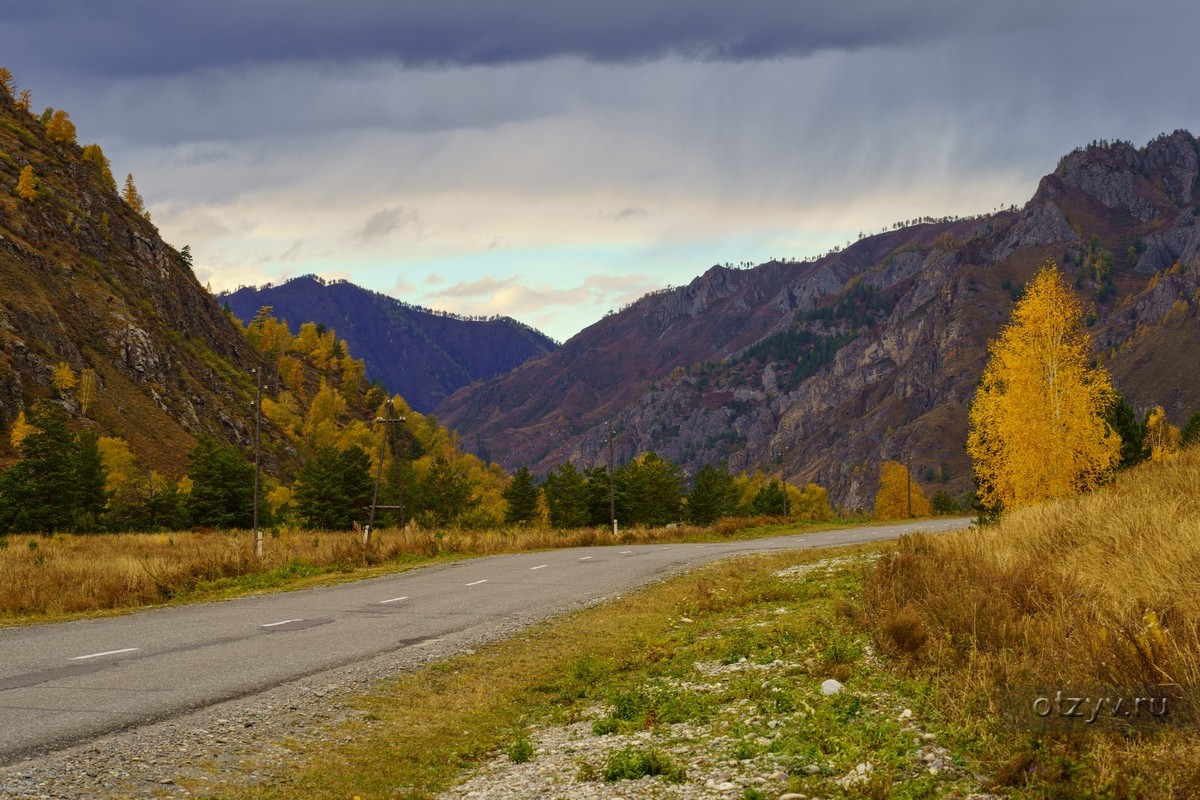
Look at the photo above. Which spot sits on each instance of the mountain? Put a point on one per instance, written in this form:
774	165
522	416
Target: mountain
823	369
421	354
86	281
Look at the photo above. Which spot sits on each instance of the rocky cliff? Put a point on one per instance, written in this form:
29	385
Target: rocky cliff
824	369
418	353
86	281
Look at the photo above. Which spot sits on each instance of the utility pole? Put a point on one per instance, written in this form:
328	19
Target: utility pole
612	490
387	428
782	479
258	537
908	480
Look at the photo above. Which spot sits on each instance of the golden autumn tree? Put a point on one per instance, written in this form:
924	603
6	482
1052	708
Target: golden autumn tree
20	430
93	156
1162	438
89	386
131	196
1037	428
899	496
7	83
64	377
27	184
24	100
60	128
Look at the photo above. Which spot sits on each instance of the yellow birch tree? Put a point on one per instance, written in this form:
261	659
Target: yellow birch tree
898	493
89	385
1037	428
1162	438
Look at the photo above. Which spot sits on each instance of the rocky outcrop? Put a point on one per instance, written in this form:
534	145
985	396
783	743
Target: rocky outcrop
86	281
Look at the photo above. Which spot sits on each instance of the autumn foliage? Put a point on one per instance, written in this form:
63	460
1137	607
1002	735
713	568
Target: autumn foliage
1037	428
898	496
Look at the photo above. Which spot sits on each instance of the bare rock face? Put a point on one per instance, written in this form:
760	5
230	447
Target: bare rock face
822	370
1110	175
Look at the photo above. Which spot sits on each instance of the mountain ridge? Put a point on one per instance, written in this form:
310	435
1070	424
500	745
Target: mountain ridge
899	322
419	353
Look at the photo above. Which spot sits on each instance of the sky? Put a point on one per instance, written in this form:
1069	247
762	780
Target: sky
552	160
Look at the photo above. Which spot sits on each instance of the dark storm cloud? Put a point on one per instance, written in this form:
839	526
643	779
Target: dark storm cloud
156	37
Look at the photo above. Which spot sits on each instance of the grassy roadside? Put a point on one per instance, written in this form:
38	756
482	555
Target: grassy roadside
1094	596
711	679
60	577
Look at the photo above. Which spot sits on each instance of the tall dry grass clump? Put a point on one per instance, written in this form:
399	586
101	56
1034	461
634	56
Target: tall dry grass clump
51	576
1101	589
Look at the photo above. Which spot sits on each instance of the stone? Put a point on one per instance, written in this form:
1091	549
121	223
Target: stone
831	686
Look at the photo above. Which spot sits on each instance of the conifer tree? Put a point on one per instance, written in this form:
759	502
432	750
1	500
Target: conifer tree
445	493
90	497
38	492
1037	428
27	184
1122	419
1191	431
566	497
713	495
131	196
222	481
522	497
334	488
769	500
655	490
7	83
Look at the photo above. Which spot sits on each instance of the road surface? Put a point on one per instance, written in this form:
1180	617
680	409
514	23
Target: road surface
64	683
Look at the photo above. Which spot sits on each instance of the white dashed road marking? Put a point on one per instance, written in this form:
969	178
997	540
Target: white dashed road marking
393	600
540	566
105	653
281	622
476	583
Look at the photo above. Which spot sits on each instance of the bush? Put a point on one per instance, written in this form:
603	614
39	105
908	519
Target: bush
632	763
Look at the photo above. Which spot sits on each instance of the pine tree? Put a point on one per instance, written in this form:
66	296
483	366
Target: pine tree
445	493
222	493
38	492
713	495
655	490
334	488
1121	418
90	496
1037	428
1191	431
566	497
7	83
769	500
27	184
522	497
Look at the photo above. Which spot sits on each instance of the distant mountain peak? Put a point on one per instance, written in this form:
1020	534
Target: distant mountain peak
422	354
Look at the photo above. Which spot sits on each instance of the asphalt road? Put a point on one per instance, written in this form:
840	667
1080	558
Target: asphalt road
64	683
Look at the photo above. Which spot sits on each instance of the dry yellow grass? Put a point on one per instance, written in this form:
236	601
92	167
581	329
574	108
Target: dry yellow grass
51	577
1102	589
